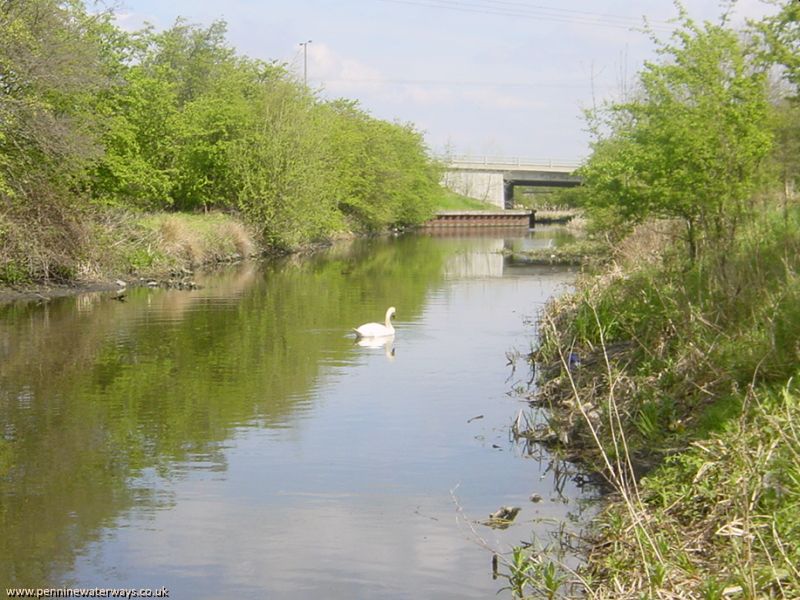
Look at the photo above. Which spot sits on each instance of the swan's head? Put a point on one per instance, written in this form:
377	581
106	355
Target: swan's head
390	313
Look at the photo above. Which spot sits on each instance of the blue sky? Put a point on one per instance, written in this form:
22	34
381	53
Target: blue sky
499	77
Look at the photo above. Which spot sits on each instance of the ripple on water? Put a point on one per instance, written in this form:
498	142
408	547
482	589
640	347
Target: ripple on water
235	441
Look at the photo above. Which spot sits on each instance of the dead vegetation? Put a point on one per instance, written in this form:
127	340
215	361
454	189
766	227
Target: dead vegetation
682	396
60	248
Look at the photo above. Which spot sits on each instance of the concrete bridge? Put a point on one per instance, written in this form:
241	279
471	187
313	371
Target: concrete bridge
492	178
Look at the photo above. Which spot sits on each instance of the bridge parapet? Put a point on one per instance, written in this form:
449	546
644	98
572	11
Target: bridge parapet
507	163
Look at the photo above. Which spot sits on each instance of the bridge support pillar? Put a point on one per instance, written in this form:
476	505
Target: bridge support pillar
508	194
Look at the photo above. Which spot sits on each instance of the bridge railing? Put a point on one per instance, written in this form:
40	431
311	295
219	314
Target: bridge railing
508	161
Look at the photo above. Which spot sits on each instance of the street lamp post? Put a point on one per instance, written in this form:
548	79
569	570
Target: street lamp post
305	61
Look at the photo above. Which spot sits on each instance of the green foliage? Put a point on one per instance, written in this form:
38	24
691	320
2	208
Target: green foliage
194	126
13	273
91	116
520	572
140	260
548	198
50	68
780	35
569	197
690	143
783	165
51	72
535	575
136	169
281	169
697	332
742	482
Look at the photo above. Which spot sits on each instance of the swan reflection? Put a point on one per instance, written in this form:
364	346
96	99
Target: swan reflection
387	343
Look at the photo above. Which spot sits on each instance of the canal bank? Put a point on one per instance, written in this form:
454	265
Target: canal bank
677	384
121	247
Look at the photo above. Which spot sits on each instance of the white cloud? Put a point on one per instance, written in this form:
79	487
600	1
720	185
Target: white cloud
430	96
340	74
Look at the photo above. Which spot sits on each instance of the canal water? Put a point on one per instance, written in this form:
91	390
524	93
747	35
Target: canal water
234	441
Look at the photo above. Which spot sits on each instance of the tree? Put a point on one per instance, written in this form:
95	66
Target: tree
49	70
281	166
785	157
383	175
780	45
691	143
781	37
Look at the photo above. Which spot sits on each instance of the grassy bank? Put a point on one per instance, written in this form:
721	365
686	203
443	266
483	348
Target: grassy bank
161	242
449	200
117	244
677	382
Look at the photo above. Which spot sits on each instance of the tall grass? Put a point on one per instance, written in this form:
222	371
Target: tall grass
676	380
200	239
114	243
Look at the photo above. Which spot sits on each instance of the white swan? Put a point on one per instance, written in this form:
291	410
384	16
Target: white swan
373	330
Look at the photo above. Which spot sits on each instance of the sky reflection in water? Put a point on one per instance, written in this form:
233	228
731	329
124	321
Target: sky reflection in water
236	442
